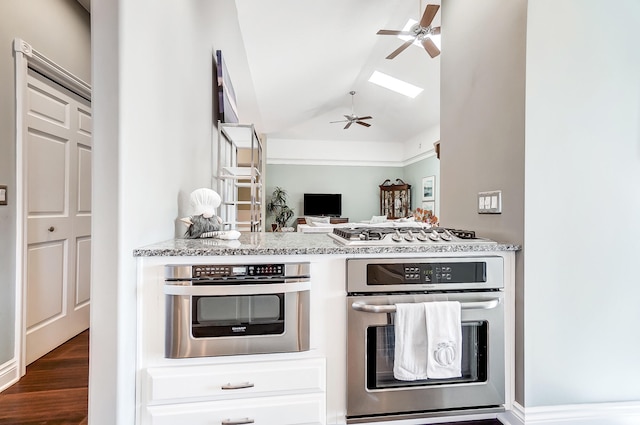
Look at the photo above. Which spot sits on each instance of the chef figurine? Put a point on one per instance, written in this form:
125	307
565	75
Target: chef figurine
204	223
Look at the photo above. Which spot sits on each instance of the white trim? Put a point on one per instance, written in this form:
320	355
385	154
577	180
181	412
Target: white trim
351	162
615	413
50	69
27	57
8	374
420	157
338	162
514	416
21	67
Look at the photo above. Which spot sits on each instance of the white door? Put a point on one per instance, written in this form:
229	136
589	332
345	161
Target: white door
58	215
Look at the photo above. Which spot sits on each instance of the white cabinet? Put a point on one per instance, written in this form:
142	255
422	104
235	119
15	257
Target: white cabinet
290	410
290	392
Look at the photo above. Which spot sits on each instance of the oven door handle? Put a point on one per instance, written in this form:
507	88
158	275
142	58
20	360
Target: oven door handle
391	308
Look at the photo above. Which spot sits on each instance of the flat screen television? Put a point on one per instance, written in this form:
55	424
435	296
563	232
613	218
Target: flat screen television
327	204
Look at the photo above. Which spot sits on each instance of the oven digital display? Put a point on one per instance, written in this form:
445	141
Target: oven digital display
426	273
236	270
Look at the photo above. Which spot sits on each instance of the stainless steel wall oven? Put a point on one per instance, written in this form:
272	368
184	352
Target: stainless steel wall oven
215	310
374	287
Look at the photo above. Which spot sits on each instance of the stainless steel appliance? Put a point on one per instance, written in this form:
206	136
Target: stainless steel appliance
398	233
215	310
374	287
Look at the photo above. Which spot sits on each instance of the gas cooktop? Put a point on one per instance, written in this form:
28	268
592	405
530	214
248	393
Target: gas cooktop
414	235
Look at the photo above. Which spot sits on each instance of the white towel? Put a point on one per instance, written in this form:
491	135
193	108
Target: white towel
410	350
444	339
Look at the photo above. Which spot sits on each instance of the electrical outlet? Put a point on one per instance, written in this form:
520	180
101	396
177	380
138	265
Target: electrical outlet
3	195
490	202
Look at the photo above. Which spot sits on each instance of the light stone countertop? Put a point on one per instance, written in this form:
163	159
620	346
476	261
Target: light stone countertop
294	243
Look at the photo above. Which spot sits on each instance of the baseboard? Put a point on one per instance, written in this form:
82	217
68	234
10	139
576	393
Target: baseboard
8	375
515	416
621	413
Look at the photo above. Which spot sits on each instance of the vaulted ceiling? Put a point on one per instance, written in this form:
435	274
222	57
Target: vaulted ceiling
304	58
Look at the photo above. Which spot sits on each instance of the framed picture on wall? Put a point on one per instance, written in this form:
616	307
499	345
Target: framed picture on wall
429	188
429	206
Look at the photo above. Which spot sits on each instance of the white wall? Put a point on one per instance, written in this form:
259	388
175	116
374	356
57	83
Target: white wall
333	152
152	63
582	231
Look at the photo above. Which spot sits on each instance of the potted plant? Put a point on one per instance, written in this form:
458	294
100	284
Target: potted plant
277	206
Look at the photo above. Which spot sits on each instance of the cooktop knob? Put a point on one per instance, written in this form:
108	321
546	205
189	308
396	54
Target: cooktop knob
409	236
446	235
422	236
434	235
396	236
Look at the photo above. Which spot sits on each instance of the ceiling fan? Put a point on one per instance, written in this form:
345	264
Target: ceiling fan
353	118
421	31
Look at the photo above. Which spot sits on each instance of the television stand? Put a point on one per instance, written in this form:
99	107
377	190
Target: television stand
332	220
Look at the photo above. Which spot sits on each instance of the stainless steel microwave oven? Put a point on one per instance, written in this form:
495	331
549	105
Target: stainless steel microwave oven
217	310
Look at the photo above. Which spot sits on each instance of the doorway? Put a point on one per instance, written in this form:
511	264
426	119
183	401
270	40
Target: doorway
57	162
54	144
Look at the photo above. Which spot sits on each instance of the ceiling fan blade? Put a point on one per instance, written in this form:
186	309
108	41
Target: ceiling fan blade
363	123
430	47
348	125
435	30
393	32
332	122
429	14
364	118
401	48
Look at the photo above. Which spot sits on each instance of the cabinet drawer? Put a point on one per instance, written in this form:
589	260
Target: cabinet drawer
238	380
308	409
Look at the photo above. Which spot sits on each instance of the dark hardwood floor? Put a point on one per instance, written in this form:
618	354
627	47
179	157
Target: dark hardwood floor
54	391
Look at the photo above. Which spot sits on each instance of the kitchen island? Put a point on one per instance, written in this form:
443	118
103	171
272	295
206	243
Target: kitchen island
311	385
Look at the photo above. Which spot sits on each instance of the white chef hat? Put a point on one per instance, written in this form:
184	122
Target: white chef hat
204	202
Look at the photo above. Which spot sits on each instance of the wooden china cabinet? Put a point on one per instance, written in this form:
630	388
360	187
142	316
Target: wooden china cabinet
395	199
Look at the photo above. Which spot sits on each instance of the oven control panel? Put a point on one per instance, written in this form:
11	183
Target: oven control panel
253	270
426	273
222	274
390	275
434	273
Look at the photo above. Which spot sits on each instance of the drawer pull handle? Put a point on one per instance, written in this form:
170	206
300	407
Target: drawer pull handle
237	421
239	386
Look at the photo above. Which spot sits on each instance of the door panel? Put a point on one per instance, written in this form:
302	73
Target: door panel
45	283
83	271
58	184
48	106
48	160
84	180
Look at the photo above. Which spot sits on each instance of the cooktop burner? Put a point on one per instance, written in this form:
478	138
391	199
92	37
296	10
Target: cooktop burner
371	236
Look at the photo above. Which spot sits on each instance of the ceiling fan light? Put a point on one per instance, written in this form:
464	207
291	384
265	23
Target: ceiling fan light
394	84
408	26
410	23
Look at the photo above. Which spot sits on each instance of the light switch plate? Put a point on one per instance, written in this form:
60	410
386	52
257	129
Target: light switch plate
3	195
490	202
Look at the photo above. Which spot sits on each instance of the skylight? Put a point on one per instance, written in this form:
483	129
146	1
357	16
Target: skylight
394	84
